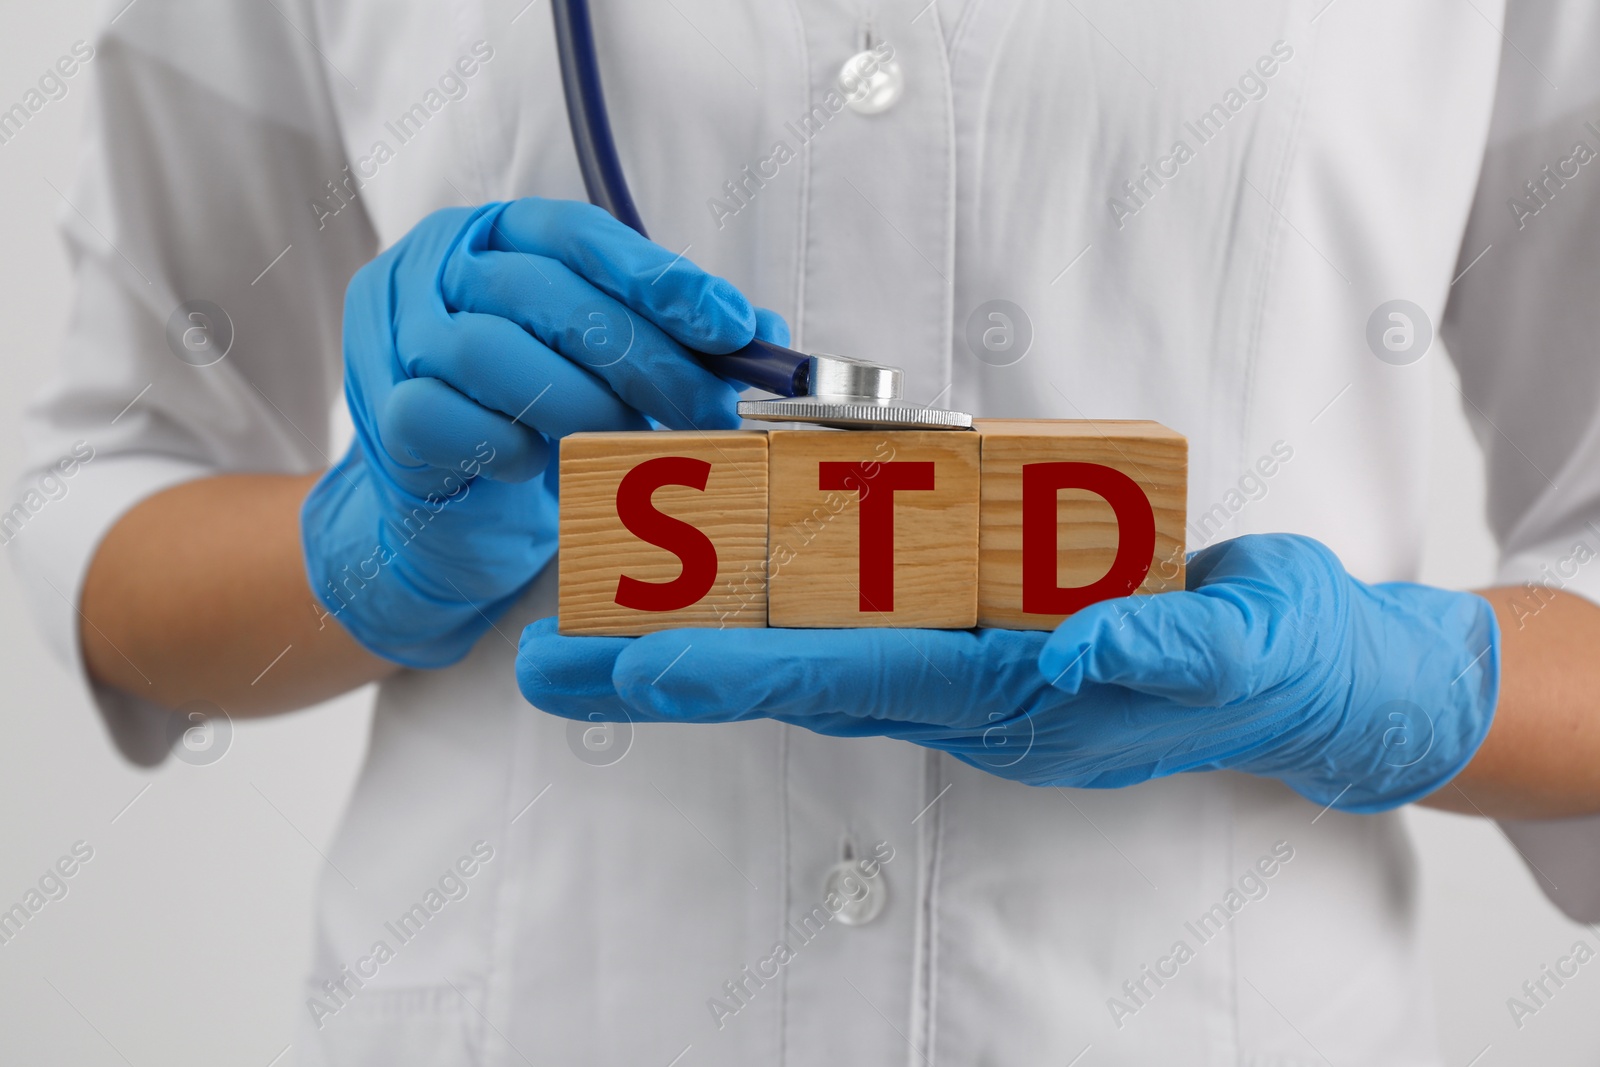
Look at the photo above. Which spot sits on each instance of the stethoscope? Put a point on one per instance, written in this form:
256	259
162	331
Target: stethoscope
817	387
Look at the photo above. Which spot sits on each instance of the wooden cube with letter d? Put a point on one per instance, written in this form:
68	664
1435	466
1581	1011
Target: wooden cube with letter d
662	530
1074	512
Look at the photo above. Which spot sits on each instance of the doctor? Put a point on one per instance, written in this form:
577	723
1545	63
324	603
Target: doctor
885	847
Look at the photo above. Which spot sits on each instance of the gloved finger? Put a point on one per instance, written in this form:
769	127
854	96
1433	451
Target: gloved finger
574	677
1280	567
1199	565
700	310
496	363
771	327
642	365
570	676
1197	649
921	676
425	421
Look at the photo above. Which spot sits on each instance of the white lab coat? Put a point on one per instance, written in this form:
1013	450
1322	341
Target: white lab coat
604	923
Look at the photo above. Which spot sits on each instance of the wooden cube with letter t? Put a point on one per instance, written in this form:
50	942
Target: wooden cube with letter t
1077	512
661	530
872	528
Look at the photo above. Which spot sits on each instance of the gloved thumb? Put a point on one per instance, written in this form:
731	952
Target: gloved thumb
1201	649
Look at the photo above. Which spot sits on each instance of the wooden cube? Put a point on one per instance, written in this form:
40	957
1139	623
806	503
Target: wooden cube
873	528
1074	513
661	530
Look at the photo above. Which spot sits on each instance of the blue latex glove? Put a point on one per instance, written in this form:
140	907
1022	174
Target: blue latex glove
472	344
1275	662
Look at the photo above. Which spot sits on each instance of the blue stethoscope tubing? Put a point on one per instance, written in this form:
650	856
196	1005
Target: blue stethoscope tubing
761	364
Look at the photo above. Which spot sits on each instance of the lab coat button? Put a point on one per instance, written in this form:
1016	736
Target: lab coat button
862	897
870	83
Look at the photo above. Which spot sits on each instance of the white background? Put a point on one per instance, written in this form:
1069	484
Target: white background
184	939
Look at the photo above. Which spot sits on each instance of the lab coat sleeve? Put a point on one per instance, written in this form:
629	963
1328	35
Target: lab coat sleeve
1523	325
207	151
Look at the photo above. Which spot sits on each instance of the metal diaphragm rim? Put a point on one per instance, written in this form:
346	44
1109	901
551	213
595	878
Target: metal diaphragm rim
854	415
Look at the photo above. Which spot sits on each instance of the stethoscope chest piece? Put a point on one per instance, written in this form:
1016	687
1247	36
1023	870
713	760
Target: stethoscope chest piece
852	394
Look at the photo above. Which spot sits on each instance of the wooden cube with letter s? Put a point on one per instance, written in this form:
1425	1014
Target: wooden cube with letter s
661	530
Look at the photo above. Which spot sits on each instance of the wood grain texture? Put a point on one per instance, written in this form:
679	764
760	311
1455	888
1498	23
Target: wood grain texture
1156	458
815	570
596	549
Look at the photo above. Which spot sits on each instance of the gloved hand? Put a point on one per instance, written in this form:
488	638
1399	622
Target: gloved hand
472	344
1275	662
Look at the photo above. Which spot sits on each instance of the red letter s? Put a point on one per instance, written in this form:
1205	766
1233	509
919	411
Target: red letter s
691	546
